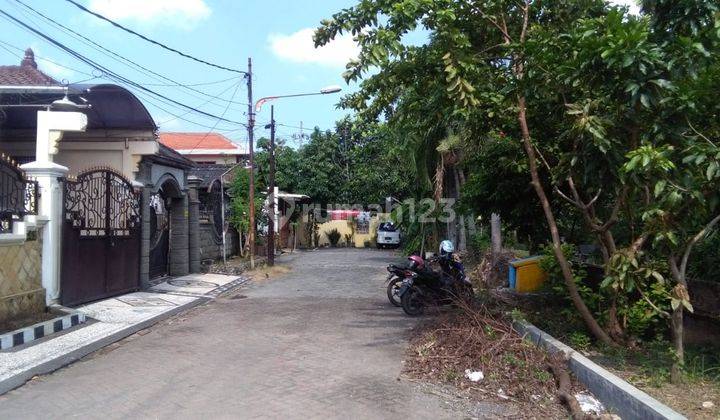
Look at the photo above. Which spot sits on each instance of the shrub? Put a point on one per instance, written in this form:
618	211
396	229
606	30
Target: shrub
334	237
480	242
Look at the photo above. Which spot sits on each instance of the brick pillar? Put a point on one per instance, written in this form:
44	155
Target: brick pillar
145	239
194	223
179	256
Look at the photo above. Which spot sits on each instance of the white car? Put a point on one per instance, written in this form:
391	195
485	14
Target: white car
388	235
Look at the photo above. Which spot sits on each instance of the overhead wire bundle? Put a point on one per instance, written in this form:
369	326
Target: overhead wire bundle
139	88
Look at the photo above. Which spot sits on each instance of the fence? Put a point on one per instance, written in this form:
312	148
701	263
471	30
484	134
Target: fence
18	195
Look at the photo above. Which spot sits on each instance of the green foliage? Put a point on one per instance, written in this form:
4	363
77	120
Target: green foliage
642	290
705	264
480	242
240	203
355	164
497	182
334	237
517	315
417	233
548	263
622	114
579	340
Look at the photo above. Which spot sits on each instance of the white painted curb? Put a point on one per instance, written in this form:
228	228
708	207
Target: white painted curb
616	394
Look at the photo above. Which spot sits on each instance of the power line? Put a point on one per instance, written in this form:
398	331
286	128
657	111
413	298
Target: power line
143	37
4	46
216	122
182	117
106	71
216	82
187	112
118	57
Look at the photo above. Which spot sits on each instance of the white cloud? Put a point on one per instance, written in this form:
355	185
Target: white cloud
631	4
56	71
183	13
298	47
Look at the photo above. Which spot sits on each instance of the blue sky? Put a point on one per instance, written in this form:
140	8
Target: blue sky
276	34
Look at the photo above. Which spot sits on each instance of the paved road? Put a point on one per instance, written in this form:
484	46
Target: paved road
319	342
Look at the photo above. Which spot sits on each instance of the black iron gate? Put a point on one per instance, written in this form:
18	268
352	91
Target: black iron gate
18	196
101	237
159	234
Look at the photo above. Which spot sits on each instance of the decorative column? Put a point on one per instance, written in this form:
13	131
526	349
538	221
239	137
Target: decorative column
145	238
50	128
179	255
194	223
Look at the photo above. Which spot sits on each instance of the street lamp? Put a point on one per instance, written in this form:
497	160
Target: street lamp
271	175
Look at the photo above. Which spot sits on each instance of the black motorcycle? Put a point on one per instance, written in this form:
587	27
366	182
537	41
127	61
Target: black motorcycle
395	280
435	288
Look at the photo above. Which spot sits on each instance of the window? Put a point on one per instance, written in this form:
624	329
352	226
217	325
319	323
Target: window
387	227
362	222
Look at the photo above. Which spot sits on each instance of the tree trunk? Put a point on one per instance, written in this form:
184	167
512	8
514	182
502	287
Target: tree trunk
577	300
495	233
676	372
461	233
462	236
676	321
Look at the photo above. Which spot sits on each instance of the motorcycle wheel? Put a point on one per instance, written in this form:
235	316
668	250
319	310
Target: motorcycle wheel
392	291
412	302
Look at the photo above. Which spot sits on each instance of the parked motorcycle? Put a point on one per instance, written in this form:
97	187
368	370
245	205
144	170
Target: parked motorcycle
435	288
399	274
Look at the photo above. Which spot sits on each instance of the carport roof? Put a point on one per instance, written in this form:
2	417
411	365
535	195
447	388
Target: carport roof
111	106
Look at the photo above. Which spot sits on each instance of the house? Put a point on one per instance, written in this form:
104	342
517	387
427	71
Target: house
87	213
212	222
357	225
214	156
205	148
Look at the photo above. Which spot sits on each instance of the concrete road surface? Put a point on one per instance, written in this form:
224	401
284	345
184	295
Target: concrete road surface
321	341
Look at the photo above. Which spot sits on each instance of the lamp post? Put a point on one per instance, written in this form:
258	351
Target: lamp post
271	175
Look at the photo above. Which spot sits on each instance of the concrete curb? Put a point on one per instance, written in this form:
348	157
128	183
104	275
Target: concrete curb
69	318
615	393
19	379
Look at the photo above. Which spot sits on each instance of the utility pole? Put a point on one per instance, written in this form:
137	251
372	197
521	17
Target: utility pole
271	191
251	128
302	133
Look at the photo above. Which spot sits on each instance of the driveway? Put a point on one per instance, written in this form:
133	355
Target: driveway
319	342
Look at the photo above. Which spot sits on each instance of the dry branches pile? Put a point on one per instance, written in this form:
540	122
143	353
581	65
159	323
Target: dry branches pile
475	339
492	272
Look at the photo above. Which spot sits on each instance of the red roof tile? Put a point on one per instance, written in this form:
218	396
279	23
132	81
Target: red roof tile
26	74
198	141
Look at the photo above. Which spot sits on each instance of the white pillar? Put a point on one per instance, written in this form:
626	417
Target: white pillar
50	128
50	208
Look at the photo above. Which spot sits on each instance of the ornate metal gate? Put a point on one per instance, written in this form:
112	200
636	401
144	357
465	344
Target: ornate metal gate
18	196
101	237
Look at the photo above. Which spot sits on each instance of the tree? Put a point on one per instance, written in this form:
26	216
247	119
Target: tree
478	50
240	205
590	88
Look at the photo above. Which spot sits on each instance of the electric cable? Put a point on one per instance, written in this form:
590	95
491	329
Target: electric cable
160	44
120	58
109	73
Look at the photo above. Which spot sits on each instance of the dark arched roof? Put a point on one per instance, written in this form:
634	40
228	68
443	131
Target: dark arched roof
111	106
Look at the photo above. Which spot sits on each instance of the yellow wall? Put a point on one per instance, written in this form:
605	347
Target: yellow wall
344	227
